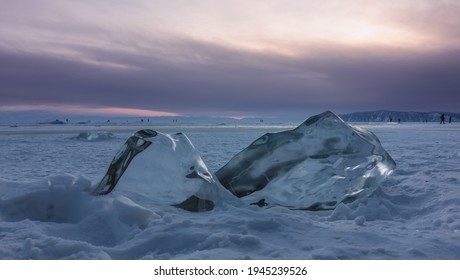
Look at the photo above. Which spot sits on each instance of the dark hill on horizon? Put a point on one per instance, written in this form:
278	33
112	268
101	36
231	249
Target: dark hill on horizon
387	116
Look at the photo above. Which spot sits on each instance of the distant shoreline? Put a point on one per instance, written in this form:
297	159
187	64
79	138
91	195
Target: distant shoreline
366	116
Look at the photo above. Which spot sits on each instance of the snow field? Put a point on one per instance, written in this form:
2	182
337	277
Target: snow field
46	213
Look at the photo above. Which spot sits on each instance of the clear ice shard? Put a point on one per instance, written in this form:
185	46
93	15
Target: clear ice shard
316	166
153	168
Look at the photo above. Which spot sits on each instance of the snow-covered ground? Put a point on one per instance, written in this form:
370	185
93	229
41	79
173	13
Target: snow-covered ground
46	211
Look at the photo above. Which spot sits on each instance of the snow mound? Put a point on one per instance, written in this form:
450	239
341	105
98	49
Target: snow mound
154	168
60	199
65	199
319	164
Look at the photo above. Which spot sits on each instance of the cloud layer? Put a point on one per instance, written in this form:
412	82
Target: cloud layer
268	58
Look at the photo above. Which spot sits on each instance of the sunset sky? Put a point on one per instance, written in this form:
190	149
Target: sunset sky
229	58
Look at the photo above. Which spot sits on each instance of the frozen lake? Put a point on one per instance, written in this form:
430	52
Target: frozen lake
34	152
46	213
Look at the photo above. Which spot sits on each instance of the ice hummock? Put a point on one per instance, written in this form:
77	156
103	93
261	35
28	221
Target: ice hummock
165	169
316	166
94	136
322	162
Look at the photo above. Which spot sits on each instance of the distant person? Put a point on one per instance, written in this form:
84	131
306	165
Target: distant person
399	120
450	119
443	119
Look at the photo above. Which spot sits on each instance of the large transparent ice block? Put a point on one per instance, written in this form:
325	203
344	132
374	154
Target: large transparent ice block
322	162
161	169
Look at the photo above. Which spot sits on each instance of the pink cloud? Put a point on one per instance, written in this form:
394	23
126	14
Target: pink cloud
82	110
